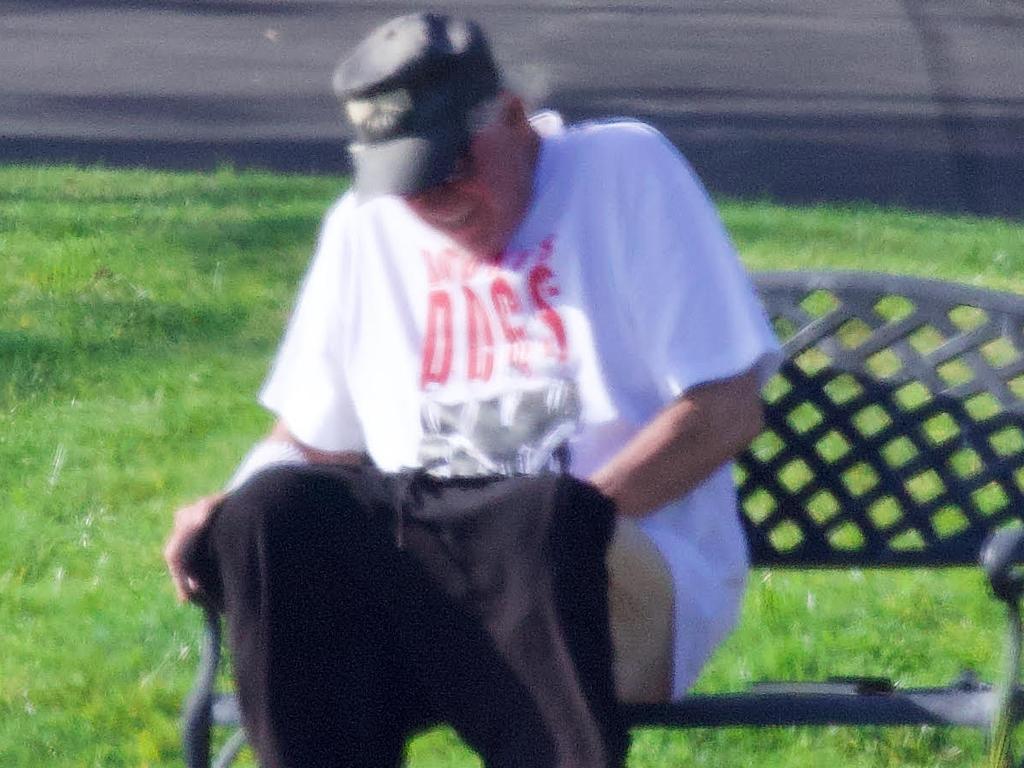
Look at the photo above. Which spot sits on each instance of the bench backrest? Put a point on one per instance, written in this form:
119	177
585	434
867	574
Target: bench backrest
895	428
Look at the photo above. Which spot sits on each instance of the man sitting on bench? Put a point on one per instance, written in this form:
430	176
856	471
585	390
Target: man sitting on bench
496	298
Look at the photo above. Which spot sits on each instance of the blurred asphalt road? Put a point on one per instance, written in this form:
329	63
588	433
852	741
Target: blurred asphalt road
913	102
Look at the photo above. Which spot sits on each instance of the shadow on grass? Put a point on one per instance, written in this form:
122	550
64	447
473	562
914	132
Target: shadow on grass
112	335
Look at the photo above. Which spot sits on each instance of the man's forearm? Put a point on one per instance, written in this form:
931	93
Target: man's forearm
680	448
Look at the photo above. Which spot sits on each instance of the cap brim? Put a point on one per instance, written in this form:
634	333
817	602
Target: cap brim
406	165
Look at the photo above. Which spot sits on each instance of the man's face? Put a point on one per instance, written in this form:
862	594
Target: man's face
483	203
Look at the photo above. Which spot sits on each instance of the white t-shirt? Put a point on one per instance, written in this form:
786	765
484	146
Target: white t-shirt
619	291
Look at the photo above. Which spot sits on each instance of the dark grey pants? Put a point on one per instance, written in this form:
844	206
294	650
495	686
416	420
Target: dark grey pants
362	607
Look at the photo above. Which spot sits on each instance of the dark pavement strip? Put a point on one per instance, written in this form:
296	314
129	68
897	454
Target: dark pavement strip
914	102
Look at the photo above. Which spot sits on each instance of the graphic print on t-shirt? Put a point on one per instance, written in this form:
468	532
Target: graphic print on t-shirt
497	382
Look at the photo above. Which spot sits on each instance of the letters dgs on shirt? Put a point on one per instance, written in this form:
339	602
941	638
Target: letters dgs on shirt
504	316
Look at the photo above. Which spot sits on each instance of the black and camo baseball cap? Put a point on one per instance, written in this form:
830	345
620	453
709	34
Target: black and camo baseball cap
408	90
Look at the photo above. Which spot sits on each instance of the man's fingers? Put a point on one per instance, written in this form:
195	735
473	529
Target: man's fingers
194	590
179	578
185	587
189	522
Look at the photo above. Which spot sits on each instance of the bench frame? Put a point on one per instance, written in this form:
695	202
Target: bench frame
898	395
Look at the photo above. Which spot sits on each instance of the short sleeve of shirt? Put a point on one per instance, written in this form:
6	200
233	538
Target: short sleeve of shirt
690	300
307	386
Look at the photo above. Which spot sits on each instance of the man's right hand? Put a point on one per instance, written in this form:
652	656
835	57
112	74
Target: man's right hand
189	522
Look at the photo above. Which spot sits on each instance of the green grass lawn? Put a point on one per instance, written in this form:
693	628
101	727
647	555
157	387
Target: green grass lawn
140	311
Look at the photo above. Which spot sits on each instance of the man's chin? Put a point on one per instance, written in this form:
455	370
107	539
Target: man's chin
482	251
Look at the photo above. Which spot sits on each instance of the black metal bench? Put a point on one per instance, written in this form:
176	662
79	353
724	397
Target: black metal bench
894	438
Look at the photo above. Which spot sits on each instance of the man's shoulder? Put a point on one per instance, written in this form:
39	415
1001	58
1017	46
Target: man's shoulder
617	134
340	210
350	231
618	146
350	211
627	157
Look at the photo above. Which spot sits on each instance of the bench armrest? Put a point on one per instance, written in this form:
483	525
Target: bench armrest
1002	558
197	715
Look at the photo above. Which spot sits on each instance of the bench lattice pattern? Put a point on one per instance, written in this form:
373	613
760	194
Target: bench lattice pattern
895	429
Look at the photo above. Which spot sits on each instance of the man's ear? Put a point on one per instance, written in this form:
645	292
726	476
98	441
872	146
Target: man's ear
514	112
